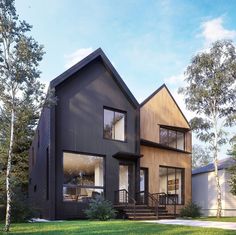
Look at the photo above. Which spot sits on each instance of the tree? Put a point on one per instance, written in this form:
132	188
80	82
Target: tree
20	55
200	156
211	93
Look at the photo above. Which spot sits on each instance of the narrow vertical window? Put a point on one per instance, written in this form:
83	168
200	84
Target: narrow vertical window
38	138
32	157
47	174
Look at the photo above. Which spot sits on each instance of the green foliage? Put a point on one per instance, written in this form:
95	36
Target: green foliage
190	210
200	156
211	94
21	98
211	91
100	209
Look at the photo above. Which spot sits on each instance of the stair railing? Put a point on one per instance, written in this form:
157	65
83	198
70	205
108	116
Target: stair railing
122	196
149	199
164	199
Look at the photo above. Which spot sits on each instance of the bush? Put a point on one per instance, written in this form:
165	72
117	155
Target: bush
100	209
191	210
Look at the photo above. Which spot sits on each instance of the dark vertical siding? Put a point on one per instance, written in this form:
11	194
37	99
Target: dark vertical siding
38	170
79	127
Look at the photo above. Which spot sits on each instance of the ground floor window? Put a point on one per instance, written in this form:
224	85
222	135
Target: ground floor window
83	177
171	182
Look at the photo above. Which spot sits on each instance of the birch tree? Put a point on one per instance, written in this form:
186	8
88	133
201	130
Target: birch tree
211	93
20	55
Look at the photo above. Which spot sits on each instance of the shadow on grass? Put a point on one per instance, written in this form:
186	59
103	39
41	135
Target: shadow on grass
110	227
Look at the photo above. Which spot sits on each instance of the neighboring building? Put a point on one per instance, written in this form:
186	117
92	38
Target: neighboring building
204	189
89	144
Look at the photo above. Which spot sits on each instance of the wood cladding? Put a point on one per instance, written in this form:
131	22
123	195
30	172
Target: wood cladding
161	109
153	158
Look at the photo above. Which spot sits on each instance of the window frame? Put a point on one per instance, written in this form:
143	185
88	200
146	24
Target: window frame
125	126
84	186
176	130
182	182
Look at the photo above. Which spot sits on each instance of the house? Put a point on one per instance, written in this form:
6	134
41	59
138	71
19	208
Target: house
98	140
204	189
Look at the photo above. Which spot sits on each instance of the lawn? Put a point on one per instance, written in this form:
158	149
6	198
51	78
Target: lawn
223	219
110	227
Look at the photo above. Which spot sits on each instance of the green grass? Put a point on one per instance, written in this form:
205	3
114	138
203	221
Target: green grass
223	219
110	227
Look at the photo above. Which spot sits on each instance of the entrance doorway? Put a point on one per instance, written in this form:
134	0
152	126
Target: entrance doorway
126	180
143	195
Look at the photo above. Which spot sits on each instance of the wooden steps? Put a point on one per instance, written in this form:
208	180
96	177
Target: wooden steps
142	212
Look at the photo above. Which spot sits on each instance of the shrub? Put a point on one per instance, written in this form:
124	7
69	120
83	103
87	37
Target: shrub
100	209
190	210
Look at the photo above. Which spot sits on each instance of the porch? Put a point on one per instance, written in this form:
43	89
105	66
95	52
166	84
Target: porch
145	205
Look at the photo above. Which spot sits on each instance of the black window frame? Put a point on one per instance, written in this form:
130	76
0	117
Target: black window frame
84	186
125	126
168	136
182	182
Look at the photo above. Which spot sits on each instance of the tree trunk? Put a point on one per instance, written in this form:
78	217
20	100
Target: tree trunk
8	184
218	188
219	206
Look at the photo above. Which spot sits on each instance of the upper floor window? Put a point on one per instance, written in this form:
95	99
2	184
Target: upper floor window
114	124
172	138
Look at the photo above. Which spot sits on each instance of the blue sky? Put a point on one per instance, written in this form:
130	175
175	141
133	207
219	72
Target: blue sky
148	42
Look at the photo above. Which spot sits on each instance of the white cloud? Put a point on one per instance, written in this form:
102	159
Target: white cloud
213	30
175	79
76	56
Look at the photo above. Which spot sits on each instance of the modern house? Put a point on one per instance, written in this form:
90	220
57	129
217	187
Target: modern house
204	189
98	140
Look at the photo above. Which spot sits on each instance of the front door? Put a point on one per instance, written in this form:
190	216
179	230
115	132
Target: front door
143	195
126	181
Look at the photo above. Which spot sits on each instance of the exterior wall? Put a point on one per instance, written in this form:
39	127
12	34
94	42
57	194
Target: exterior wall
38	170
161	110
79	127
153	158
205	194
229	198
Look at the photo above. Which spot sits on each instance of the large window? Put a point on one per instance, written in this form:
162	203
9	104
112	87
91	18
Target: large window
83	177
114	125
172	138
171	182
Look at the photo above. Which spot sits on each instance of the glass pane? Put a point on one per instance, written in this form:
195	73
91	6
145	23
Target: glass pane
171	181
119	126
109	131
180	140
81	170
162	184
123	182
179	185
163	136
124	177
142	180
172	139
80	194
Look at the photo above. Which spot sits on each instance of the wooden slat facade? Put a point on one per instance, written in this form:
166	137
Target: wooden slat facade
161	109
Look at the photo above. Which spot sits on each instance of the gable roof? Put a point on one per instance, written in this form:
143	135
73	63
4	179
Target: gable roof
159	89
91	57
222	164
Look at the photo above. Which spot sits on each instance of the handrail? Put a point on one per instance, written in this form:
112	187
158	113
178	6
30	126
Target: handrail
126	199
166	197
154	201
